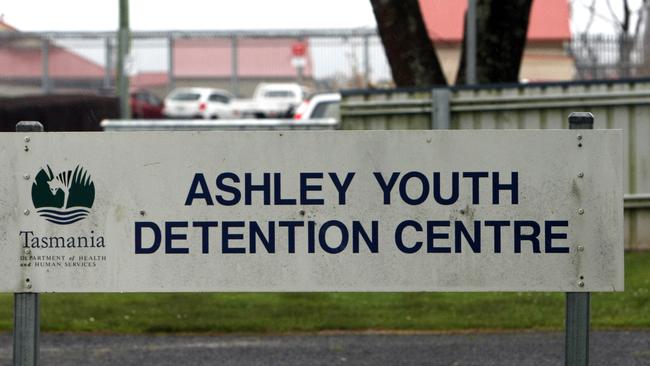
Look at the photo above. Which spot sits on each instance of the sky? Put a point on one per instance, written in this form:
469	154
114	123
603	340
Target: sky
146	15
97	15
607	15
102	15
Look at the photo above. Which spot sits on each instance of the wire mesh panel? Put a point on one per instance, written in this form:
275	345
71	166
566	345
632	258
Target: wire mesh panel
350	62
610	56
59	62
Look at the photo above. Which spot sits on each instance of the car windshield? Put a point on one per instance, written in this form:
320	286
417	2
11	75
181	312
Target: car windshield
186	97
326	110
219	98
279	94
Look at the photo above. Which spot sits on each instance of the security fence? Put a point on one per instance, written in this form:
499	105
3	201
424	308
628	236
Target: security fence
47	62
54	62
610	56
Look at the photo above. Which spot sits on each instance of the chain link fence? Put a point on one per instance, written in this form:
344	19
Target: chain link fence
324	60
610	56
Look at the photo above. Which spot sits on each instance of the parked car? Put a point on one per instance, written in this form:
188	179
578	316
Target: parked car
275	100
200	103
145	104
320	106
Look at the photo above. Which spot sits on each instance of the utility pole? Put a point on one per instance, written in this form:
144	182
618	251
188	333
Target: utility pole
646	40
123	50
470	44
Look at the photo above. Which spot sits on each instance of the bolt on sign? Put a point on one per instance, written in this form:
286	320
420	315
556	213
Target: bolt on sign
524	210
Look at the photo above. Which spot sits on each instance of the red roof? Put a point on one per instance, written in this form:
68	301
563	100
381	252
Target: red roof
5	27
256	58
148	79
23	58
16	62
549	20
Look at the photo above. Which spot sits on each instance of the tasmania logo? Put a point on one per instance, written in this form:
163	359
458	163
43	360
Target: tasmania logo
65	197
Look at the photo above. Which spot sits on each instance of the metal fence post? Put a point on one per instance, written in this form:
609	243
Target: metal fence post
440	112
171	83
45	73
577	303
26	305
234	60
366	60
123	53
108	58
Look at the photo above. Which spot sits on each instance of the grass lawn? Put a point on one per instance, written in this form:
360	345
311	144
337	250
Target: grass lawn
287	312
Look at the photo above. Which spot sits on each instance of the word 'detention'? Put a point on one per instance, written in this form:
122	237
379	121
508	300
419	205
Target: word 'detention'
436	213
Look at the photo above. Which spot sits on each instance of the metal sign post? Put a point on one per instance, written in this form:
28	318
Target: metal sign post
26	305
577	303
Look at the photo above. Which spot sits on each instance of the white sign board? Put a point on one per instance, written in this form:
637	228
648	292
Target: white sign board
298	62
311	211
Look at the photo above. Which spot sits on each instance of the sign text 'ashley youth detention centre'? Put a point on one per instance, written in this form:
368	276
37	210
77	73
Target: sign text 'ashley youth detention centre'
312	211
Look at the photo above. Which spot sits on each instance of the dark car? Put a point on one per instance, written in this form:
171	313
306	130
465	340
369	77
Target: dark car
145	104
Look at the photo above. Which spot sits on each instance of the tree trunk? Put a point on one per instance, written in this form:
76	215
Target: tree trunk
501	28
410	52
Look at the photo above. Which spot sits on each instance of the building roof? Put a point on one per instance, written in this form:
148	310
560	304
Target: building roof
269	57
4	26
549	20
22	58
148	79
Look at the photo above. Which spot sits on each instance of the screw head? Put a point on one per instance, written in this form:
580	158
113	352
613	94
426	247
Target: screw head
581	174
581	211
26	148
29	285
429	140
579	137
142	212
28	251
26	212
26	176
27	138
581	283
581	248
302	212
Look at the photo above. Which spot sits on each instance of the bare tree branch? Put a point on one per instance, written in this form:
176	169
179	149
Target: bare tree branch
592	15
600	16
640	17
613	13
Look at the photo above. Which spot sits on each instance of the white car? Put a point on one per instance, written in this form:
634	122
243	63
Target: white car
198	103
320	106
275	100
